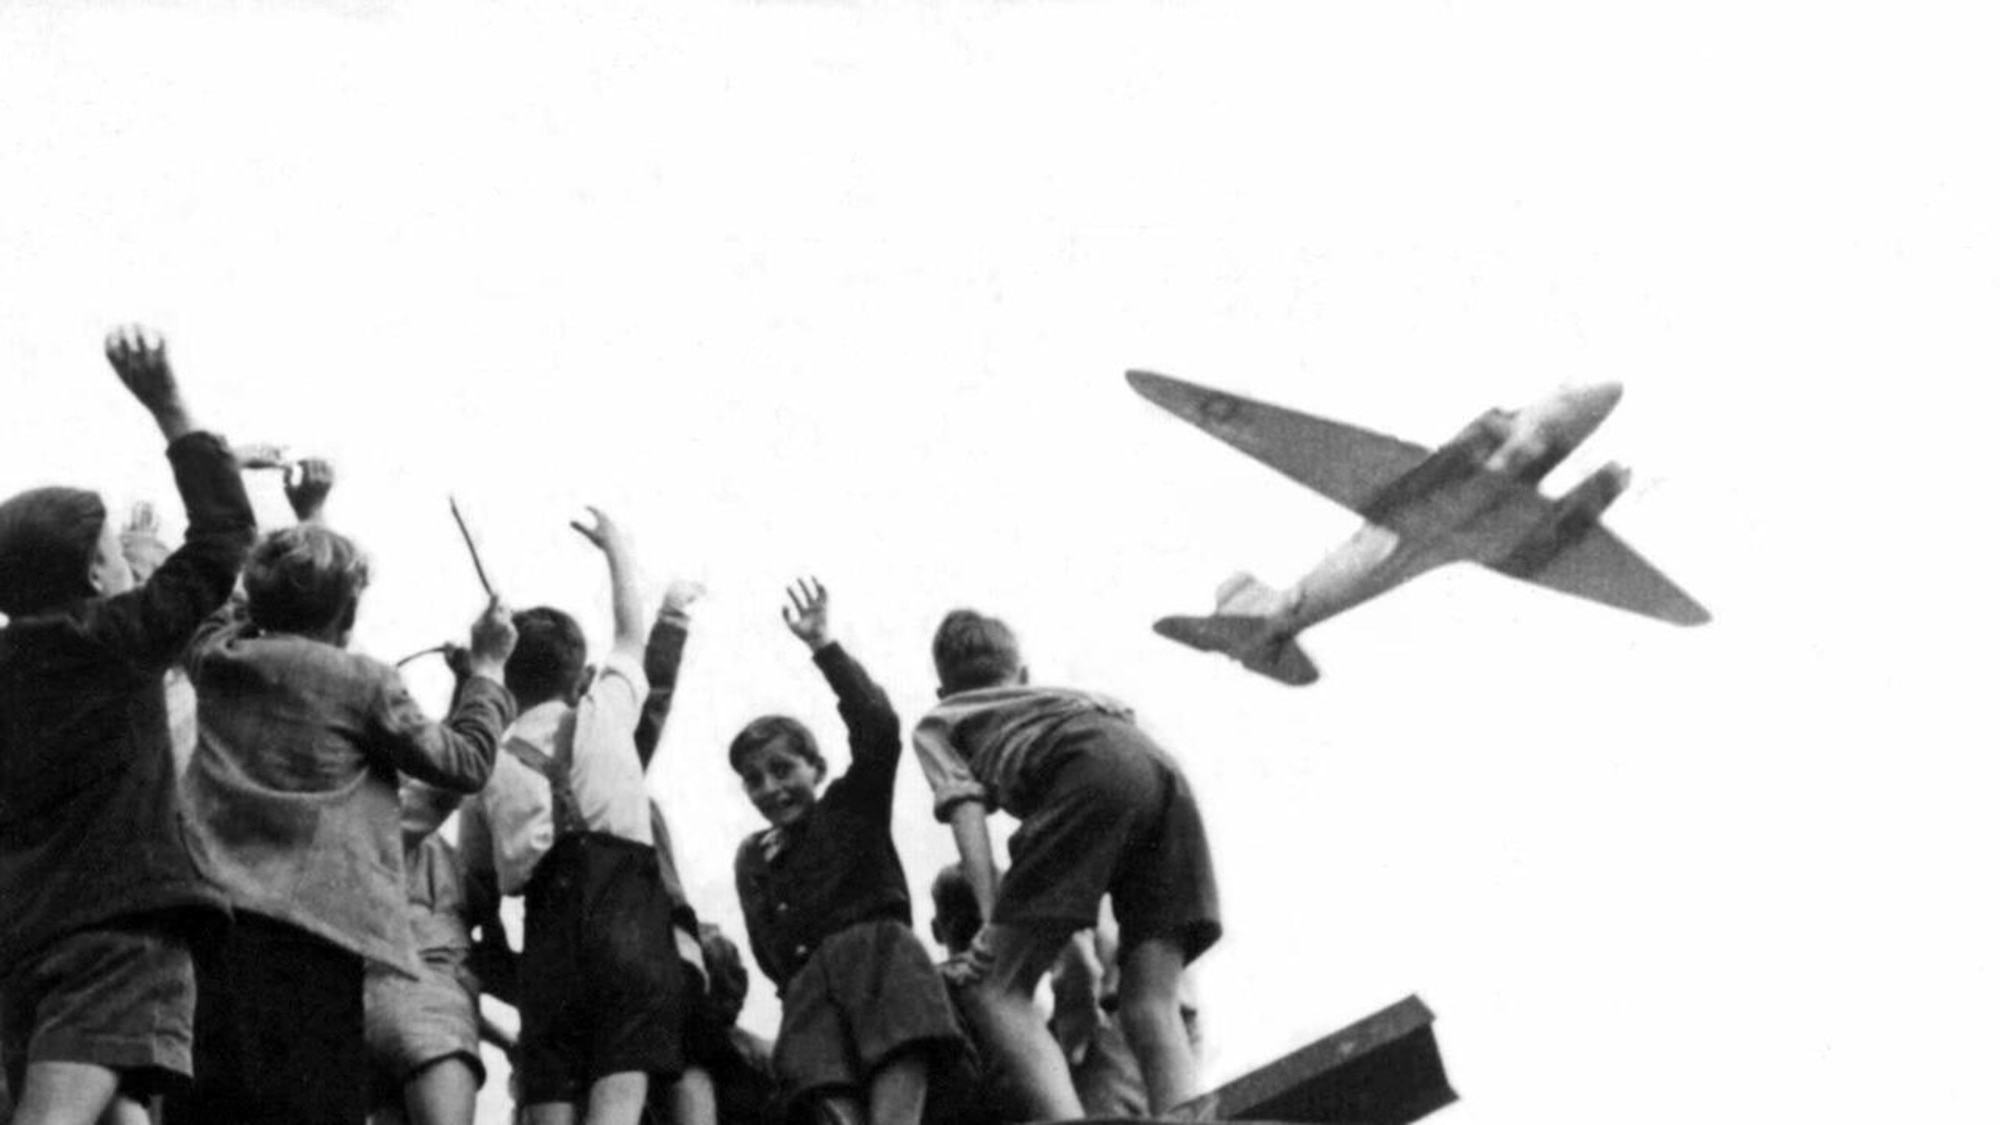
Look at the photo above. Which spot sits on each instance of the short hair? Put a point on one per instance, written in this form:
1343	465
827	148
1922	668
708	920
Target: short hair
548	655
47	539
972	650
782	729
956	907
303	579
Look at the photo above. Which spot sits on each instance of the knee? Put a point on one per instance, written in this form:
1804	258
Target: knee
1150	1018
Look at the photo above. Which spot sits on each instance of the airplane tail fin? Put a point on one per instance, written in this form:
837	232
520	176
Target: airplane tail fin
1242	595
1241	637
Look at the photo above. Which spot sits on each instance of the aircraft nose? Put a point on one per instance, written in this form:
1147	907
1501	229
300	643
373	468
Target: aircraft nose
1595	402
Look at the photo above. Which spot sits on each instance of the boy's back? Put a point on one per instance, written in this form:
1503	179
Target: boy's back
86	773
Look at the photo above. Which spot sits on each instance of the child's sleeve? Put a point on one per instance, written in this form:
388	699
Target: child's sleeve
456	754
152	624
751	897
951	779
424	809
663	669
874	733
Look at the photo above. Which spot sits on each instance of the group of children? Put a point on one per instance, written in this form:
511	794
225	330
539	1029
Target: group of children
228	901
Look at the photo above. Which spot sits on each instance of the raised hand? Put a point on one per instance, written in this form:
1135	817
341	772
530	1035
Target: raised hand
603	533
806	617
493	638
261	456
140	541
681	593
139	356
306	487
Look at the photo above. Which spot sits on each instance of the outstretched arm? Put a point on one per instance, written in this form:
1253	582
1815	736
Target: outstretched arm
874	733
628	612
664	646
306	487
153	623
456	754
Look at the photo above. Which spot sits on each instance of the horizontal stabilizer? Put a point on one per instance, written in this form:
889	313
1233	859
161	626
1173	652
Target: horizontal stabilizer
1244	639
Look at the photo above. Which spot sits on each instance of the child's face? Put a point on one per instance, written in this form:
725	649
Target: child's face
780	782
110	574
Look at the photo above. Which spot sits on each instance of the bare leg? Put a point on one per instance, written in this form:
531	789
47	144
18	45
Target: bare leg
552	1113
1149	1010
65	1093
1004	1015
126	1111
896	1090
692	1098
617	1099
442	1093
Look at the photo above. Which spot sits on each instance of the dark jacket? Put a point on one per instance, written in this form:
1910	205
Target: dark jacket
90	830
838	867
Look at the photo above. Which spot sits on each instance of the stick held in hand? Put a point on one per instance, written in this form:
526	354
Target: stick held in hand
471	547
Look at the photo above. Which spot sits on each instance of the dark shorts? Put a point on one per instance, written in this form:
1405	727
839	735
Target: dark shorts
279	1032
602	988
868	993
1112	814
119	999
413	1023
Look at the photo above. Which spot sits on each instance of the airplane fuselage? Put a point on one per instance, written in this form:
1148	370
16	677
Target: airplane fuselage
1433	515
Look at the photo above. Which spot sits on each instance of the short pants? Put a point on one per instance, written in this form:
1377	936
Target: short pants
121	999
602	987
1109	812
865	995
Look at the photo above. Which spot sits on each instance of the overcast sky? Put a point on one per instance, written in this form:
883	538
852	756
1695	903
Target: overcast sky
848	289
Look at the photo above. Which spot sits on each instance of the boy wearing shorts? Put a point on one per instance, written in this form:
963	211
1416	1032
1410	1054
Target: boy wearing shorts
1103	810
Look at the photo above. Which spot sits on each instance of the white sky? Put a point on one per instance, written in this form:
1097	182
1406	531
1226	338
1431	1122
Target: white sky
849	289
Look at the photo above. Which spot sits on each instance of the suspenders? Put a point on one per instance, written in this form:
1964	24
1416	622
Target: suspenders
555	770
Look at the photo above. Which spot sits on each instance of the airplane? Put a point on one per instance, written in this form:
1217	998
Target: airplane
1476	498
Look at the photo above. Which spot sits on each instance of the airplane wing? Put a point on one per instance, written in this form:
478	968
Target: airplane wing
1346	464
1596	564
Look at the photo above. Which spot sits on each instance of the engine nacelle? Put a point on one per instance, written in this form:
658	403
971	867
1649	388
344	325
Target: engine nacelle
1593	494
1574	514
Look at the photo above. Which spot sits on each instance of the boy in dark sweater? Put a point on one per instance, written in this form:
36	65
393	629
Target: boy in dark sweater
102	897
866	1018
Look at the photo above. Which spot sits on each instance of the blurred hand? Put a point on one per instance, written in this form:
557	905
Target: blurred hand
263	456
973	965
603	533
493	638
139	356
681	593
306	487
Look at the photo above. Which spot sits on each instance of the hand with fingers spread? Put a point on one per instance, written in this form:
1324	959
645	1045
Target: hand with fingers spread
139	356
306	486
493	638
806	617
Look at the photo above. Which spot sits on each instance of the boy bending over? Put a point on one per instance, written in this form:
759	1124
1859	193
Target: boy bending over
101	895
1102	809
